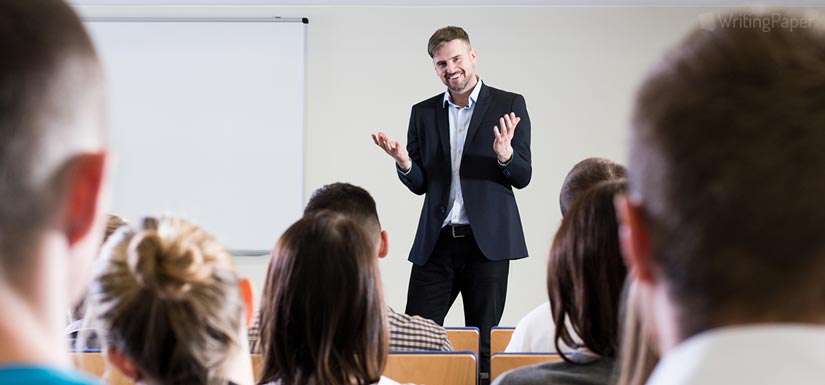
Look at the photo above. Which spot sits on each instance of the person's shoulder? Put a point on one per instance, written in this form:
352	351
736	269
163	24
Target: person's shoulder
595	373
44	376
497	92
430	102
416	333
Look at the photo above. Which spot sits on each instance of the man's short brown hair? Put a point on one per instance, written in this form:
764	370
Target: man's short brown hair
727	160
446	35
585	174
49	76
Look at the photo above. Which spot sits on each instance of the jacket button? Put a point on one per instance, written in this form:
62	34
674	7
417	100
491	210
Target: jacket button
443	210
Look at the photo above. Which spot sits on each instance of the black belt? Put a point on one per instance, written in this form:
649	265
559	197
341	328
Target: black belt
458	231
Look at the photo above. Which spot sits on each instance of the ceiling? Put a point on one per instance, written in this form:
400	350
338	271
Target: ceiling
508	3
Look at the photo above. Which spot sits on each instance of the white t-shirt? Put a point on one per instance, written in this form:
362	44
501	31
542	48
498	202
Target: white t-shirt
534	333
766	354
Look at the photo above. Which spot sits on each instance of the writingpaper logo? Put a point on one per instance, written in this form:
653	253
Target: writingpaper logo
764	22
707	21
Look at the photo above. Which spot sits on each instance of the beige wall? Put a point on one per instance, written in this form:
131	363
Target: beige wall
576	67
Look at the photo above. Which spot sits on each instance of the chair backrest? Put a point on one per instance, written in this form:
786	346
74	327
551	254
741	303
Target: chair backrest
433	368
423	368
500	338
94	364
502	362
463	338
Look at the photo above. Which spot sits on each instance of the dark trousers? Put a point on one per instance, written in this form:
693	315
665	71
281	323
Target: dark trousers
458	266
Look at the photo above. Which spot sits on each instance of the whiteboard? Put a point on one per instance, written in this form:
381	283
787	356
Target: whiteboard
206	122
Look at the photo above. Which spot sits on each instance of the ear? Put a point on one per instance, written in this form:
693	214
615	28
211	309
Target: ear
473	55
384	247
248	297
634	238
84	185
123	364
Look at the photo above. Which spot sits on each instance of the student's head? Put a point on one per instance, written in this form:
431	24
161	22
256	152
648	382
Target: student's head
585	174
354	202
322	312
453	58
586	272
52	151
724	219
166	302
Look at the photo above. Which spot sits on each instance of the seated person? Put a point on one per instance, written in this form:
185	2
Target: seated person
406	332
584	282
53	184
533	332
167	306
323	318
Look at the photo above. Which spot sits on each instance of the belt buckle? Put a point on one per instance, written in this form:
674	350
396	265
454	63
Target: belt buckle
452	227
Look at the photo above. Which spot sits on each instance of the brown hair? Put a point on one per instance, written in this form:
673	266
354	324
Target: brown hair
167	296
584	175
586	272
637	355
323	317
52	92
727	163
349	200
445	35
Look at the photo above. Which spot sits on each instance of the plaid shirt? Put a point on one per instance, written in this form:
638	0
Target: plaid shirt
406	333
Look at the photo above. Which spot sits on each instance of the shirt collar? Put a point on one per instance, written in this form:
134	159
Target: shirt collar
473	95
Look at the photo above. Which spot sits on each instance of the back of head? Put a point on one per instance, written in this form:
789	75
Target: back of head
166	295
446	35
346	199
584	175
51	108
727	163
586	271
322	311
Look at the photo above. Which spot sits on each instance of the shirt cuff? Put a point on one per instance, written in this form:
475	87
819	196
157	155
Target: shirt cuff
499	162
407	172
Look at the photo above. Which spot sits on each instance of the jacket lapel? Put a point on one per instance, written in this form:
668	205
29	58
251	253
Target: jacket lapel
482	103
443	128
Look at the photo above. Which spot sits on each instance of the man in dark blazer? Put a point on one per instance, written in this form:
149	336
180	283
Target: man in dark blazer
466	150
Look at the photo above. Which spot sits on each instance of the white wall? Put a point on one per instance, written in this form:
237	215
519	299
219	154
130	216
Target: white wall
576	67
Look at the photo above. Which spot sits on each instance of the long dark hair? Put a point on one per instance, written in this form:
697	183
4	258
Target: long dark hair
322	311
586	272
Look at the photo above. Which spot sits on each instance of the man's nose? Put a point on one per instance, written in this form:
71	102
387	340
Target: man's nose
451	68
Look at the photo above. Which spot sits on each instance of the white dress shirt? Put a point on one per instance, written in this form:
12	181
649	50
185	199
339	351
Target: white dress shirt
459	118
766	354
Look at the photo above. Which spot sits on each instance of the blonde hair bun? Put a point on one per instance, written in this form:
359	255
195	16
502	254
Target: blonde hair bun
166	259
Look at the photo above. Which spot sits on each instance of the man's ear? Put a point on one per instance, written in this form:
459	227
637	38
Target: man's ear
634	238
473	55
123	364
384	247
83	187
248	297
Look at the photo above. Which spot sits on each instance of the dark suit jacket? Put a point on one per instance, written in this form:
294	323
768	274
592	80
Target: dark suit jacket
487	186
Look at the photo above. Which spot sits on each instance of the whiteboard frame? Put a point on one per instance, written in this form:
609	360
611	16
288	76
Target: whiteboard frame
251	19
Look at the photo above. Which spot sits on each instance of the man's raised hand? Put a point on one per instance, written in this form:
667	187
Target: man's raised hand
504	135
393	149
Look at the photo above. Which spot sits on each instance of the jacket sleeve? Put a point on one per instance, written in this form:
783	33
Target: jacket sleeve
415	179
518	171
